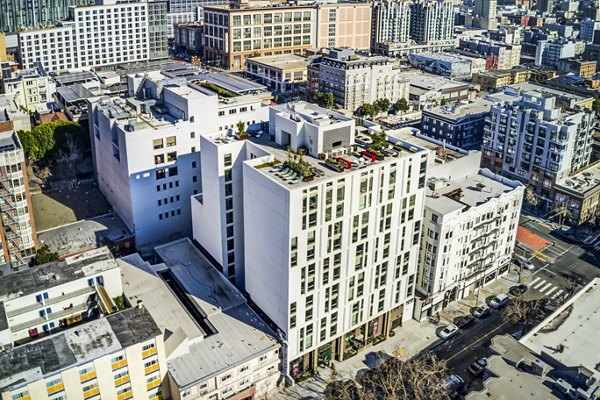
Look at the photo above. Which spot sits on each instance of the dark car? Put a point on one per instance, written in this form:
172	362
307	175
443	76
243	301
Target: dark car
478	367
518	290
465	321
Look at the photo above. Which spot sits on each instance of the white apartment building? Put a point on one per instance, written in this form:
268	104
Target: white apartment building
40	300
117	357
469	232
147	149
391	21
330	238
548	52
107	33
17	228
218	347
528	138
355	80
32	89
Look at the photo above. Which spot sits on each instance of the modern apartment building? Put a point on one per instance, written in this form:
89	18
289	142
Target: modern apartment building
432	20
469	232
391	21
355	80
121	356
17	231
459	125
18	14
484	14
232	35
527	137
107	33
147	147
343	24
31	88
42	300
216	348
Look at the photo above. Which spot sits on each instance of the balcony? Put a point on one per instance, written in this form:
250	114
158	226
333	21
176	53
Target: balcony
50	301
78	309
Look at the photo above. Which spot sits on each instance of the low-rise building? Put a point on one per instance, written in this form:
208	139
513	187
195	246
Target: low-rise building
581	68
119	357
41	300
469	232
282	73
11	116
32	88
580	195
548	52
216	345
504	56
428	91
492	80
446	64
459	125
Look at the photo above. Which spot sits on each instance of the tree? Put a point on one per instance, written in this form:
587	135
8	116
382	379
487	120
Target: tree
324	99
329	100
402	105
50	139
196	61
241	130
596	105
44	256
531	198
562	212
366	109
419	378
382	105
525	312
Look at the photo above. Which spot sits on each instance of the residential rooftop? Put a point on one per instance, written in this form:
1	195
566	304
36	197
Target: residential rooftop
428	82
443	152
33	361
533	87
236	334
9	141
446	194
37	279
583	182
284	62
460	111
85	235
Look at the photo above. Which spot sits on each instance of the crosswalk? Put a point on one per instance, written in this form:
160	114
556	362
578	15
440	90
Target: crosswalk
593	241
547	288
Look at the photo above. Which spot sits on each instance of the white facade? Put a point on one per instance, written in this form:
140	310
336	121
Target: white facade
355	80
331	259
55	295
104	34
148	158
31	88
121	356
469	231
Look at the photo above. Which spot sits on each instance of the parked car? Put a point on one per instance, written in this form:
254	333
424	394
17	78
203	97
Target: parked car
454	382
448	331
523	262
482	311
478	367
465	321
518	290
499	301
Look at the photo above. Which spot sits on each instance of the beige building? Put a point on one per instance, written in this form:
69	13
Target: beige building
492	80
344	25
120	357
281	73
583	69
231	36
580	195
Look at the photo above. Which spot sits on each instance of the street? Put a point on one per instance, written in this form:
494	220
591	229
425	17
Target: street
559	270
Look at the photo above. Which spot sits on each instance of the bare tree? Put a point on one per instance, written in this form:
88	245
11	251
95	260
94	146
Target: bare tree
419	378
562	213
531	198
526	312
71	153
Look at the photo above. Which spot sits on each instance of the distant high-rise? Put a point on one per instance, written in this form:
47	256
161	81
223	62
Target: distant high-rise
431	20
391	21
484	12
16	14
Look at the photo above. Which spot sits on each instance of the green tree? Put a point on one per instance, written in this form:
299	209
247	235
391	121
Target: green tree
366	109
402	105
324	99
54	138
241	130
383	104
329	100
44	256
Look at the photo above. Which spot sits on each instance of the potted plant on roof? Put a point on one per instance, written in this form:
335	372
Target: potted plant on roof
241	133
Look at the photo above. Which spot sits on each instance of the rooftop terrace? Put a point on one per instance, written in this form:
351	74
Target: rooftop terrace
585	181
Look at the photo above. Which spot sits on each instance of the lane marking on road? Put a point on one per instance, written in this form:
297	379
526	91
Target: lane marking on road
534	281
557	294
478	340
543	289
551	290
540	284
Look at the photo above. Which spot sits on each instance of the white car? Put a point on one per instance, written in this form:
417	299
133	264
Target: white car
523	262
448	331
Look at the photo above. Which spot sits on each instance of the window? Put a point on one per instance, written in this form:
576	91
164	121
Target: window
172	156
160	174
158	144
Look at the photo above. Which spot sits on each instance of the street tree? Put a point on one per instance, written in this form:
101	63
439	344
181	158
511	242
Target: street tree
367	109
402	105
324	99
527	313
530	197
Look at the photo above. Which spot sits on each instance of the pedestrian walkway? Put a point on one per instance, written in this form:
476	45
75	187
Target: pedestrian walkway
547	289
408	340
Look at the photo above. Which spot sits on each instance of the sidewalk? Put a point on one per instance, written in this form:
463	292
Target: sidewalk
410	339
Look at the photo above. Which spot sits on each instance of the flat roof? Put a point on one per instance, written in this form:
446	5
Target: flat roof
455	112
583	182
575	326
74	92
469	191
33	361
85	235
232	82
9	141
529	86
68	78
284	62
43	277
432	82
240	334
412	135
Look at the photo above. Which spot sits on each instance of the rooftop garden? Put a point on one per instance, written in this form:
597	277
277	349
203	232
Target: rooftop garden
296	163
218	90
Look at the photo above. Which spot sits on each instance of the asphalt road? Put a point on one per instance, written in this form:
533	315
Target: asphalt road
561	269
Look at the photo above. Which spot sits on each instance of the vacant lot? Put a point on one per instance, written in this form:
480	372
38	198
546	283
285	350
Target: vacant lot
55	207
